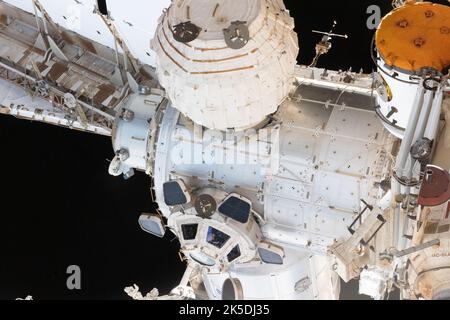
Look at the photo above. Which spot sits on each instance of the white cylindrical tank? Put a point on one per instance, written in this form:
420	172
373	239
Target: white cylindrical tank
413	44
226	64
131	136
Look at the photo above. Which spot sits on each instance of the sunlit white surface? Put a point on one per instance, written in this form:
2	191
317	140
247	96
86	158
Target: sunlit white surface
215	85
136	21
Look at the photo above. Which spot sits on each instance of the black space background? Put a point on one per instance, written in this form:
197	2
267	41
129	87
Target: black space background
59	206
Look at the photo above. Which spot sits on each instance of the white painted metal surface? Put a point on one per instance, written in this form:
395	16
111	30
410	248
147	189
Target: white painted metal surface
132	131
395	109
429	269
373	283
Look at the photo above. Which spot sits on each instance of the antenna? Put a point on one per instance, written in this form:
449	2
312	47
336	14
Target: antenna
102	10
102	7
325	45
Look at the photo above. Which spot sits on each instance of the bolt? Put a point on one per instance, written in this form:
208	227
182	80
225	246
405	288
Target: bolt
419	42
403	23
429	14
393	111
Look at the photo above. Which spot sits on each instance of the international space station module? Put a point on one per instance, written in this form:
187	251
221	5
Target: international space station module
279	180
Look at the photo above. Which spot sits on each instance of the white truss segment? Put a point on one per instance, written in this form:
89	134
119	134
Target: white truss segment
17	102
136	28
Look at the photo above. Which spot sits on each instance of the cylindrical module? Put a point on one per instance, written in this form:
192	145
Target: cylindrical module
226	64
413	43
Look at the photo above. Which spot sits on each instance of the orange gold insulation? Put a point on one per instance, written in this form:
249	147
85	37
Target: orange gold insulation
416	36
